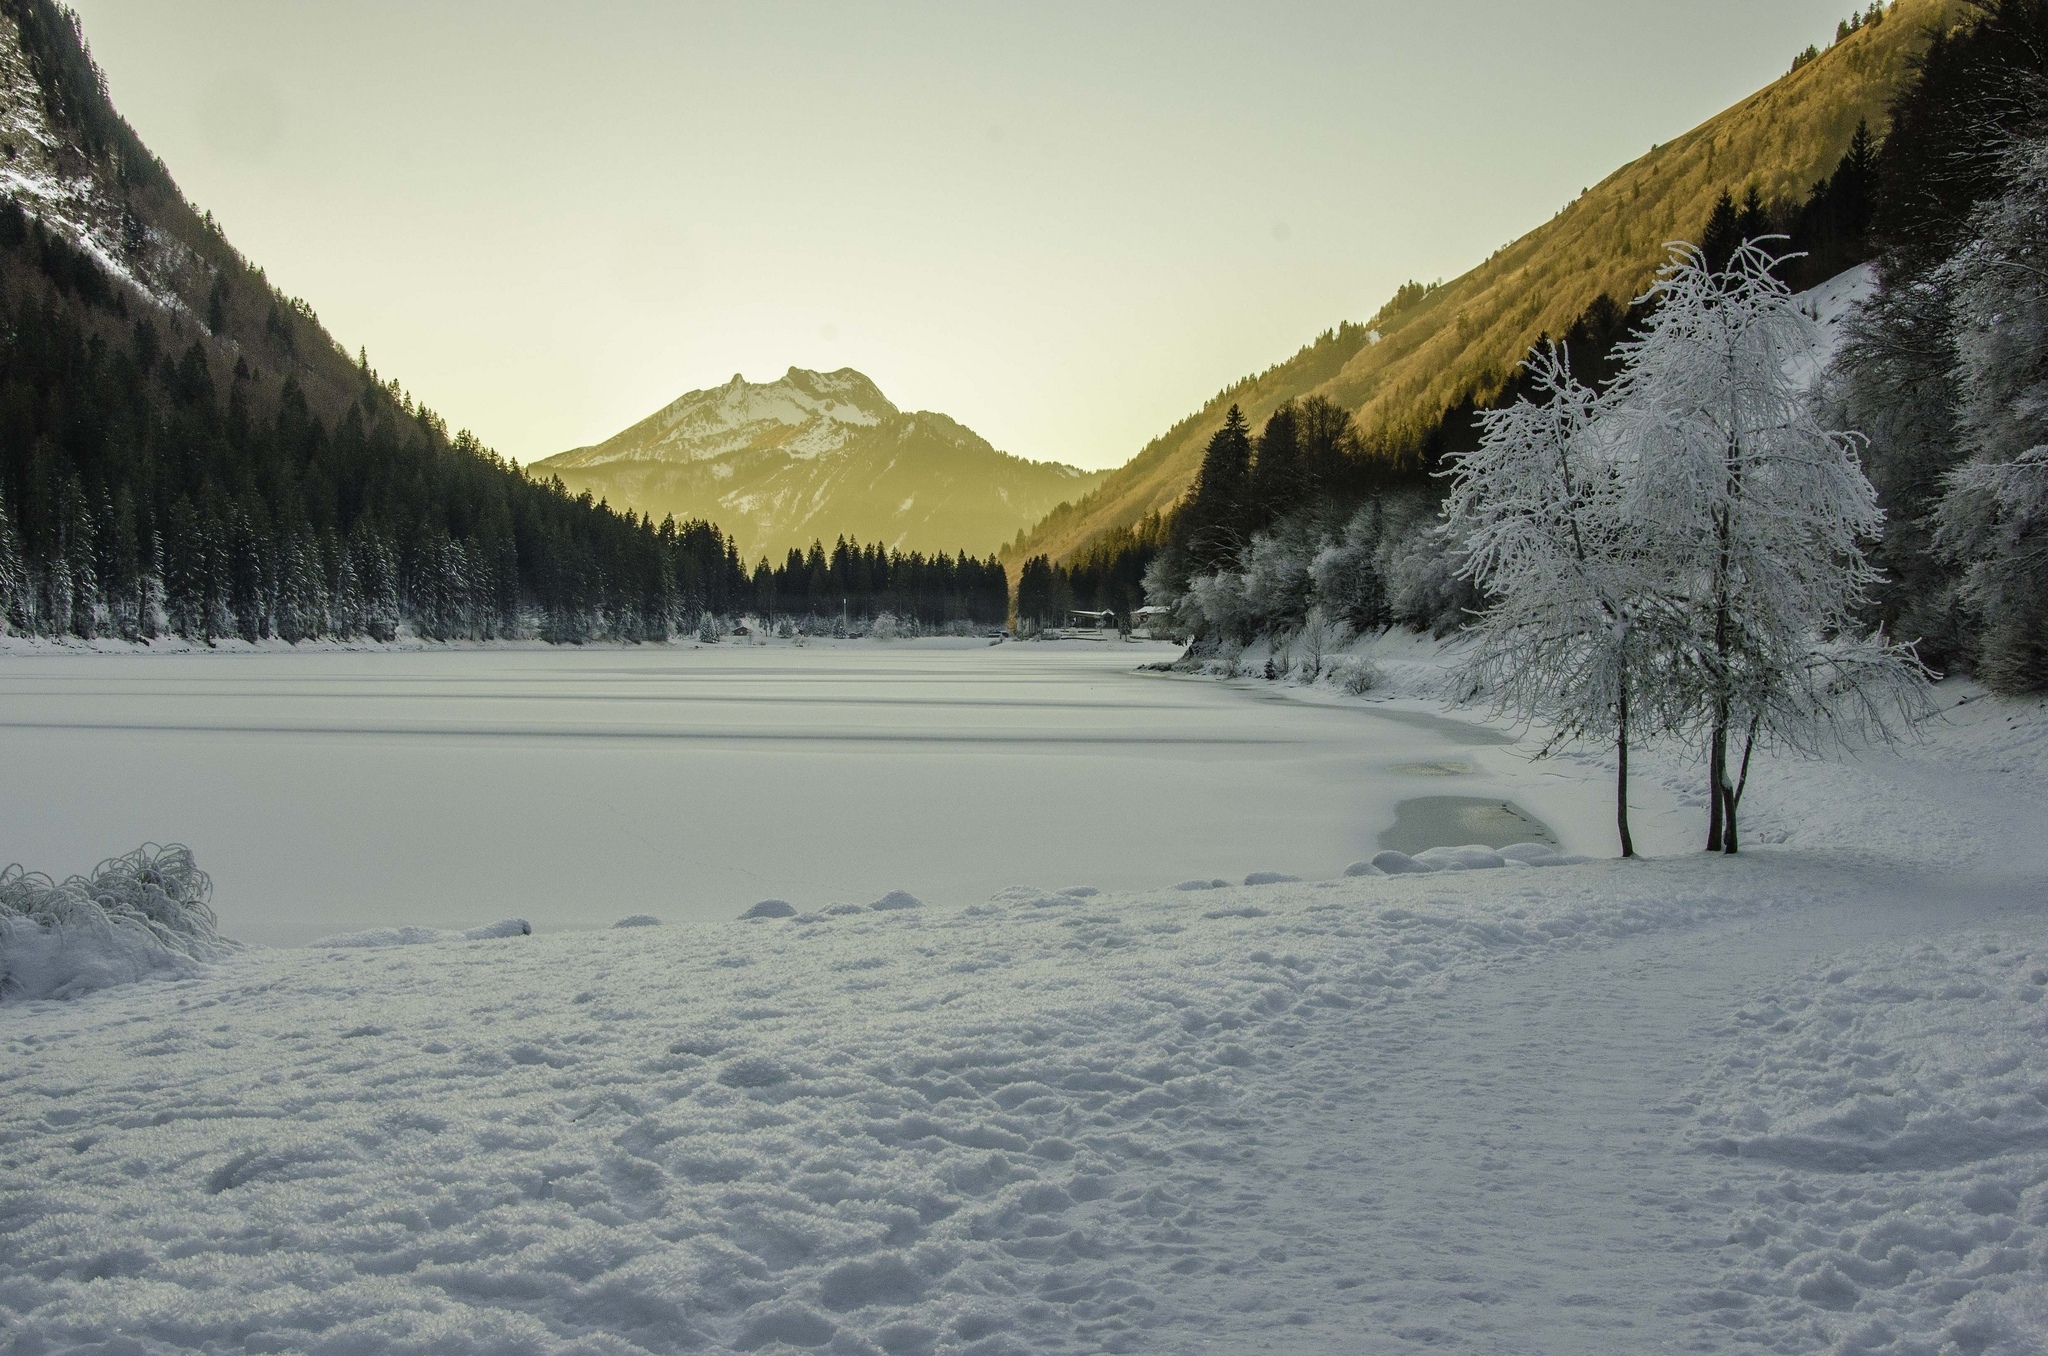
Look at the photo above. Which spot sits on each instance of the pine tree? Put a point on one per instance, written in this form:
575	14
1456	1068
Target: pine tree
1217	505
15	607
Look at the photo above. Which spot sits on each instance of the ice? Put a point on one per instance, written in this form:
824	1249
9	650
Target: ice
336	792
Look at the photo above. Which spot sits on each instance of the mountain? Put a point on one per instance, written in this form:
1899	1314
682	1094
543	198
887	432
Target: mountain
184	448
818	455
1430	349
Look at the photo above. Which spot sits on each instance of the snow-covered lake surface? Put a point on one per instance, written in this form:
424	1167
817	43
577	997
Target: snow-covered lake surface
330	792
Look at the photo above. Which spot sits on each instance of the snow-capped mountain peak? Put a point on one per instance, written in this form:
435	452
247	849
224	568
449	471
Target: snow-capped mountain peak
805	414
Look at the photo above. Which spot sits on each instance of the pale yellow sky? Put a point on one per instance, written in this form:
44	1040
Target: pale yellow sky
1065	225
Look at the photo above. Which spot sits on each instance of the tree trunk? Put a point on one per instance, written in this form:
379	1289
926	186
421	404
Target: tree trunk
1628	844
1717	768
1729	842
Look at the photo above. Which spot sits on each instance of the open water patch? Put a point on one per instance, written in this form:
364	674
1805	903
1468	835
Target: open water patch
1425	822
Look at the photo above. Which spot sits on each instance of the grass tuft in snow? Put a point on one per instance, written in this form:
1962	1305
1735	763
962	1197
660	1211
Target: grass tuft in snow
137	914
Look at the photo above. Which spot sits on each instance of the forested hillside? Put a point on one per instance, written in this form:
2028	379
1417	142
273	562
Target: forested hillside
1303	530
183	448
1434	349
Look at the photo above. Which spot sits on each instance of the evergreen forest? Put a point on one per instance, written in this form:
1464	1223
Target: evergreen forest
184	451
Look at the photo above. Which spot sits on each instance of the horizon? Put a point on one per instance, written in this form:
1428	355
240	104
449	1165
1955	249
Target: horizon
519	219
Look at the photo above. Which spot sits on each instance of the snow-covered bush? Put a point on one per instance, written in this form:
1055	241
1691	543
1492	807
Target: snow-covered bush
887	626
1214	604
1319	637
1346	572
144	913
1419	562
1278	581
1356	675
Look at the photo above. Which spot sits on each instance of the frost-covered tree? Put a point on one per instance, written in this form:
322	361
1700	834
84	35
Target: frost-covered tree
1753	513
1348	583
1543	510
1992	518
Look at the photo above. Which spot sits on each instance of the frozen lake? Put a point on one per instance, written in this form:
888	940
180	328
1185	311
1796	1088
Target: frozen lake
328	792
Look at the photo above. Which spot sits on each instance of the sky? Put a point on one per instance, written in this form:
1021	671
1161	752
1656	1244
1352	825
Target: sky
1064	224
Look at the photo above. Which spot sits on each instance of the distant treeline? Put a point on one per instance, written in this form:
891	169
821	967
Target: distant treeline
856	583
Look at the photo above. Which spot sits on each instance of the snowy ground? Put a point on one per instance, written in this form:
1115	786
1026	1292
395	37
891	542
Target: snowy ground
330	792
1797	1102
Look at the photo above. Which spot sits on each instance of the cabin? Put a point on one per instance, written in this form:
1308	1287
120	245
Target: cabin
1080	619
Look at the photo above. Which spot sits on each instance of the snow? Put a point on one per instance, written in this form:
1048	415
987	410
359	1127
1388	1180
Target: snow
1830	305
1791	1101
75	206
807	414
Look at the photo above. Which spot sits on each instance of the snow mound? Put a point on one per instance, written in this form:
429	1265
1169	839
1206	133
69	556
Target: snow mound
1473	857
137	915
1470	858
1271	878
894	900
638	920
1203	885
375	938
771	908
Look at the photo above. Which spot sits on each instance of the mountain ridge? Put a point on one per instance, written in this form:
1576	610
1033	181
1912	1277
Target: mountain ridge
819	455
1430	348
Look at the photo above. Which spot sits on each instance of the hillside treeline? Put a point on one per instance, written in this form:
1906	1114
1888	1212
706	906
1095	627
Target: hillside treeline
184	450
142	495
1303	515
1945	373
